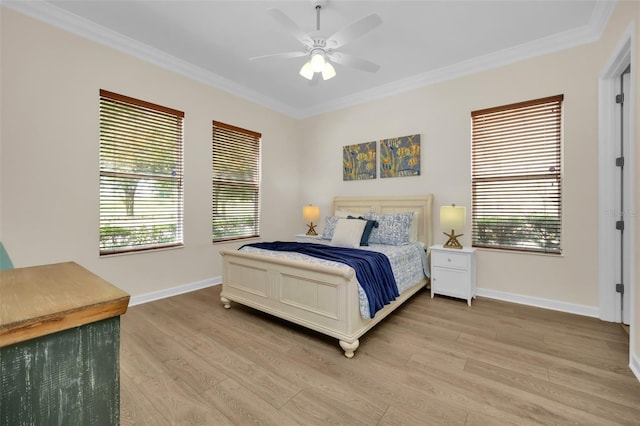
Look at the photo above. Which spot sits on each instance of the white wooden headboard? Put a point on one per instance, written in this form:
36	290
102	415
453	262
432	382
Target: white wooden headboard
422	205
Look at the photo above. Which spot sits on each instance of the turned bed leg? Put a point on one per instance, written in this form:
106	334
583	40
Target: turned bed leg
349	348
226	302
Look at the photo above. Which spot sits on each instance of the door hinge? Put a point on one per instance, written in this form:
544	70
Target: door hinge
620	162
620	288
620	98
620	225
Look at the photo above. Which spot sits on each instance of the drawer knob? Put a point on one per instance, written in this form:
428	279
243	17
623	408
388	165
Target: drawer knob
448	260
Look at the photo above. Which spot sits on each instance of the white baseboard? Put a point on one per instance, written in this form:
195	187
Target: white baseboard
634	365
173	291
572	308
590	311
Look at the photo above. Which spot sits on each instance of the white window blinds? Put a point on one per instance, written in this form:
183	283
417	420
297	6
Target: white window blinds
516	176
141	179
235	183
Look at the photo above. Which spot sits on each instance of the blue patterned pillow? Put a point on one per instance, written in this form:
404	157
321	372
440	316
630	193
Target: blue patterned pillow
330	226
393	229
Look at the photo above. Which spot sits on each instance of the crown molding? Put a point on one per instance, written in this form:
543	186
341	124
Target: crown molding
60	18
600	16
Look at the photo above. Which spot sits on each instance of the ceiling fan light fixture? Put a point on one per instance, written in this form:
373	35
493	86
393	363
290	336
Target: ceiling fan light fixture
306	71
320	49
317	61
328	71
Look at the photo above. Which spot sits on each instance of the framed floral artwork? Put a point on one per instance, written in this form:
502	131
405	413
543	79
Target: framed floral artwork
359	161
400	156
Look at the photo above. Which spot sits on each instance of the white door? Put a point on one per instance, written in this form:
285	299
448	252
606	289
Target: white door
616	185
625	208
623	211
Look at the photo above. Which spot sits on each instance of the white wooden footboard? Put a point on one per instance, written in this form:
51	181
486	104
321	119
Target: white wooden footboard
316	296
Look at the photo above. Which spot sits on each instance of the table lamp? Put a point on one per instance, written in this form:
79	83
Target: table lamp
311	214
452	217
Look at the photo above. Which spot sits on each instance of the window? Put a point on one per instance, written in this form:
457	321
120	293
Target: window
516	176
141	185
236	183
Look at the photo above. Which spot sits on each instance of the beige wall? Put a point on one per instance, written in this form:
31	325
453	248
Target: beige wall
49	207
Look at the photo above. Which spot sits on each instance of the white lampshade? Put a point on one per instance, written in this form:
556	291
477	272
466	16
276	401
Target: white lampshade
317	62
311	213
328	71
452	217
306	71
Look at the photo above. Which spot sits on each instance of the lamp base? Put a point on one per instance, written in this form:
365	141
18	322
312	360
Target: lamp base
312	229
453	240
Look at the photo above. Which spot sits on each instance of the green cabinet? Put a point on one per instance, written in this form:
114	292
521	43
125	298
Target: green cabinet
66	378
59	347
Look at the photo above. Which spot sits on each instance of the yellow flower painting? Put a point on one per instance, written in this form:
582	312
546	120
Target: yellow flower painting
359	161
400	156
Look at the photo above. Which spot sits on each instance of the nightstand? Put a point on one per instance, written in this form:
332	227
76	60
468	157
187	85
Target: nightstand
304	238
453	272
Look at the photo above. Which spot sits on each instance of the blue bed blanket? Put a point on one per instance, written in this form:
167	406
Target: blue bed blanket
373	270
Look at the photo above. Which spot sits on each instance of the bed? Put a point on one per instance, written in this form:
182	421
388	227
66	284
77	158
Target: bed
321	297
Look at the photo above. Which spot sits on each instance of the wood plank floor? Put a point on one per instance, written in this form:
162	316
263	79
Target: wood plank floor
186	360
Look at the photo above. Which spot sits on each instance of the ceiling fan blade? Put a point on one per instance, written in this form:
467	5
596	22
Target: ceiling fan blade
290	26
284	55
353	62
353	31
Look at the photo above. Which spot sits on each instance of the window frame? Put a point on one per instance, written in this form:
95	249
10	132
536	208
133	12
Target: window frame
118	133
244	181
516	176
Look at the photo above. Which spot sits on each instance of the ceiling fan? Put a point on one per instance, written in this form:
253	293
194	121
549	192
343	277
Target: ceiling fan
320	50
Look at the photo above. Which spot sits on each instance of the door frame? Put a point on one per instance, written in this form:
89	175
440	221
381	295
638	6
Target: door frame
609	130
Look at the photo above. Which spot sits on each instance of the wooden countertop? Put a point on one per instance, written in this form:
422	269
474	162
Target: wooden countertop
41	300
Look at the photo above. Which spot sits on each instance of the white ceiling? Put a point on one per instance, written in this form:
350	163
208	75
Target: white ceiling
418	43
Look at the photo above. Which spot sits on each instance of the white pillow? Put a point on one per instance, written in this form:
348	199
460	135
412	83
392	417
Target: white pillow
346	213
413	231
348	233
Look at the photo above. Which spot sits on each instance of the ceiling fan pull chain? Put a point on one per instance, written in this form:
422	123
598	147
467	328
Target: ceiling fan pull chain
318	7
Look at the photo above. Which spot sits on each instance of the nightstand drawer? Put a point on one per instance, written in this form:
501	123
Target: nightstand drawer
450	260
